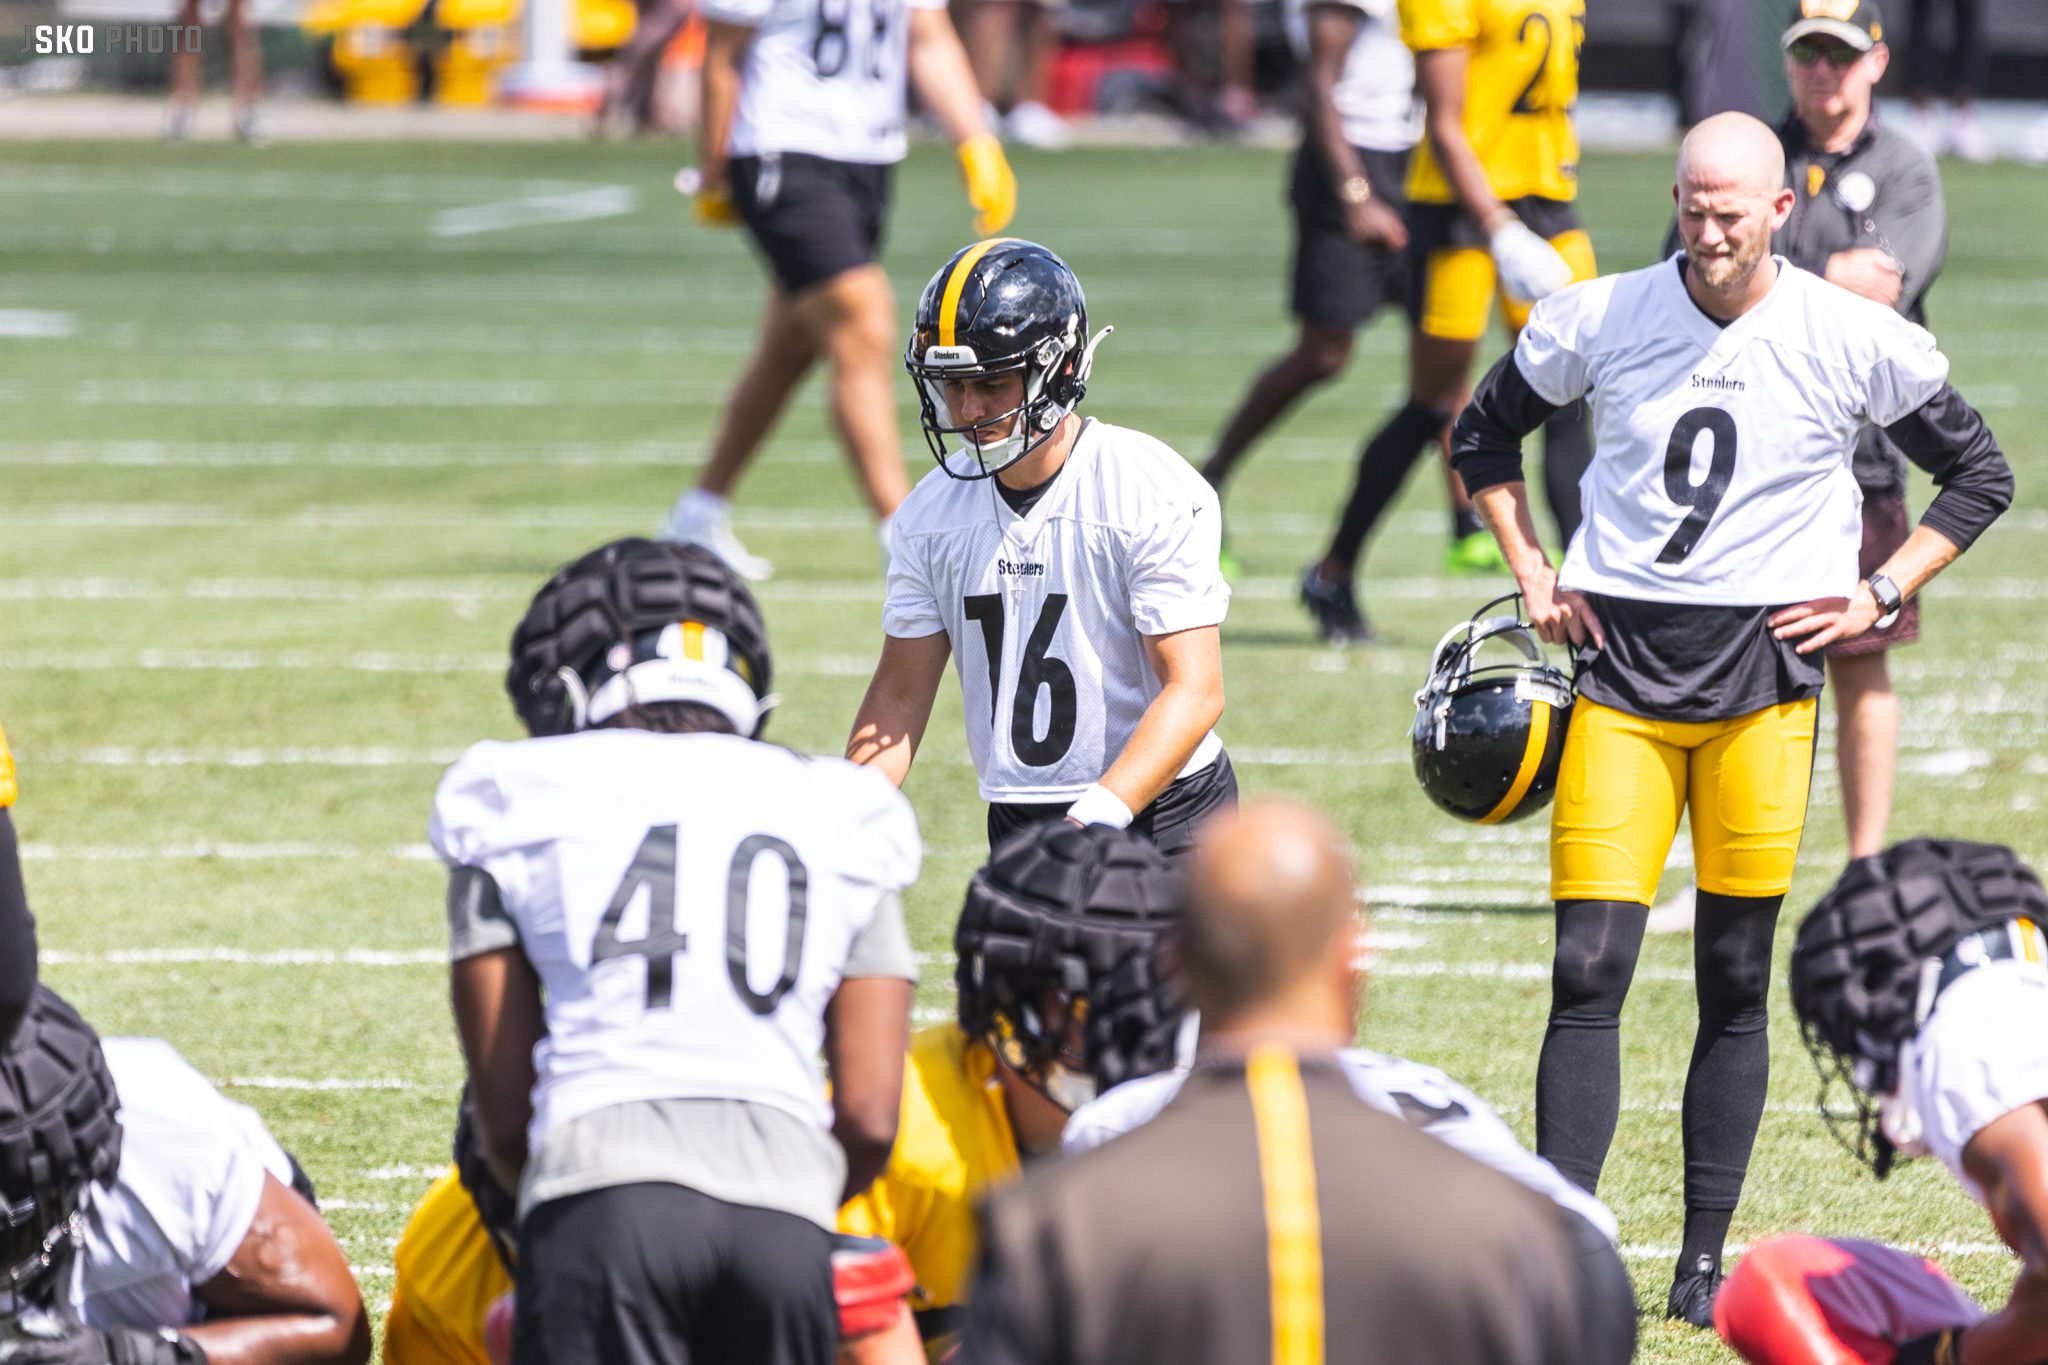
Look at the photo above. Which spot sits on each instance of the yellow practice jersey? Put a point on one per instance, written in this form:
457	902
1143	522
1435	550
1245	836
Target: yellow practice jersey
7	788
953	1141
447	1277
1521	84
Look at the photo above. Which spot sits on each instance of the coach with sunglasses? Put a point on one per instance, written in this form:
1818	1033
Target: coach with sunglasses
1867	214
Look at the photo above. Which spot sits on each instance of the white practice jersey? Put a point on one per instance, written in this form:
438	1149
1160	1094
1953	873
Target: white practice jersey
821	77
1045	610
1375	95
1982	1053
1418	1094
193	1164
1721	472
689	902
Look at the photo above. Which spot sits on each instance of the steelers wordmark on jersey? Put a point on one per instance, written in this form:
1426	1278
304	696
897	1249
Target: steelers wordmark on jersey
689	902
1045	610
1722	475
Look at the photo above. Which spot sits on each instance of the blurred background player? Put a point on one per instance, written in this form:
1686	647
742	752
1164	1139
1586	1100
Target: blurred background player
1867	214
1968	65
245	51
646	970
1046	922
1267	1214
802	119
152	1221
1345	192
1011	44
1070	565
1921	980
1697	682
1213	44
630	75
1491	211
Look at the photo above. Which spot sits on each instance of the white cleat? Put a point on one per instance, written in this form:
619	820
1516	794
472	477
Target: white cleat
705	519
1031	124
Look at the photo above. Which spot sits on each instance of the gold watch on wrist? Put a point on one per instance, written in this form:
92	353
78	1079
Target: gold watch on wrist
1355	190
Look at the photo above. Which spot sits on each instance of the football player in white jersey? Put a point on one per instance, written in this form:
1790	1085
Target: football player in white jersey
658	923
1716	558
803	107
1346	192
1068	565
1921	979
150	1220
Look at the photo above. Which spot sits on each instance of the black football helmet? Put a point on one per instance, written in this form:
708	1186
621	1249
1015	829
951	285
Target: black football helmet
1002	306
60	1132
1051	915
1488	736
637	622
1137	1019
1861	979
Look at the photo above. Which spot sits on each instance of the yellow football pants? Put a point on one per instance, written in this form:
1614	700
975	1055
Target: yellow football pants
1459	284
1625	780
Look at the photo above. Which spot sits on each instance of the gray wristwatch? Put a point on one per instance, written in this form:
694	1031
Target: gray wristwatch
1889	599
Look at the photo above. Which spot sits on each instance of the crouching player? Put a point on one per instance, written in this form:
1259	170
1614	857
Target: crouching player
1921	978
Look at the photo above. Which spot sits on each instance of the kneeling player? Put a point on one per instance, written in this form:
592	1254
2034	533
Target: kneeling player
1053	913
1922	977
706	914
151	1221
452	1269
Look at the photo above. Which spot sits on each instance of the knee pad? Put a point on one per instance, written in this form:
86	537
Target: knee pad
1597	945
870	1277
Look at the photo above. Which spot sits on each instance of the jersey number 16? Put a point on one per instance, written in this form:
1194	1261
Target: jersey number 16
654	867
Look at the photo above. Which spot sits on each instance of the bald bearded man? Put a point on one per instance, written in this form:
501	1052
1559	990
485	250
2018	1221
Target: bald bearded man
1717	558
1213	1233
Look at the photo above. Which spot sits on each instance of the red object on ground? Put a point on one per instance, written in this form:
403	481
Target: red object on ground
1826	1301
1078	69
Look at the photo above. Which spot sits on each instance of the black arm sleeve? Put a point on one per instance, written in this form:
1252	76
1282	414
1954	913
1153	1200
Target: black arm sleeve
17	935
1486	443
1947	437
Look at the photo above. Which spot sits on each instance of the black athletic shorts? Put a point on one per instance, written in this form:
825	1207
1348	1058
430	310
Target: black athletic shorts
1169	822
658	1274
1339	282
812	218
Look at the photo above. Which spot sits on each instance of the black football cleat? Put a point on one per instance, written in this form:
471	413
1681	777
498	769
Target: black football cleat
1692	1294
1335	607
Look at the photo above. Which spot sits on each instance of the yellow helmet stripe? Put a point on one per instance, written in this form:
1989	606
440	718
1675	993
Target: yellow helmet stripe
1532	759
693	640
956	285
1294	1228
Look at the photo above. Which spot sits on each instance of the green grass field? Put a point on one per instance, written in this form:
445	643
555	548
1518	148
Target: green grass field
286	451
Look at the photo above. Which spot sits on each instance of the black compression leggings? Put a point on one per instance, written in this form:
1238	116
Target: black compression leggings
1578	1077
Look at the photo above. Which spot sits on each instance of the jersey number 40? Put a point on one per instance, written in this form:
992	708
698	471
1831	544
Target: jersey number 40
654	867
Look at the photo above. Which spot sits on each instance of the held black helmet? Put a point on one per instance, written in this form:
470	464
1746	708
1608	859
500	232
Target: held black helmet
1000	307
1861	985
60	1132
1051	915
639	622
1488	736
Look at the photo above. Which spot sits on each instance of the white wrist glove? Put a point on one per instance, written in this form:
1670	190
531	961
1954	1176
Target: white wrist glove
1530	268
1100	806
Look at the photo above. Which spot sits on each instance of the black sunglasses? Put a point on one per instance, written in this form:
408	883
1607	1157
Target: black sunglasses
1838	56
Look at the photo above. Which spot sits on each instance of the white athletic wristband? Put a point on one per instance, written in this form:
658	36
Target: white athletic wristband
1100	806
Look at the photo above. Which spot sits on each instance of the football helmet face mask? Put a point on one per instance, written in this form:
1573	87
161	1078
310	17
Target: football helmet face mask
639	622
1490	722
1046	923
999	307
1867	966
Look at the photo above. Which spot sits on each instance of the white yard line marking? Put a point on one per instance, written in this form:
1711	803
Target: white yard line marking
225	852
322	1083
369	661
35	324
536	210
1511	971
115	756
1637	1251
276	957
405	1172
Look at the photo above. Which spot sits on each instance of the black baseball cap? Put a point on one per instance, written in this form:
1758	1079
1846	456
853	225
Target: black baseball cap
1854	22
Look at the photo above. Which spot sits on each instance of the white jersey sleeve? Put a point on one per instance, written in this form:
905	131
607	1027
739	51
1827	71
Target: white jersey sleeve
1045	612
689	902
1417	1094
1906	369
1982	1054
192	1173
1551	350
